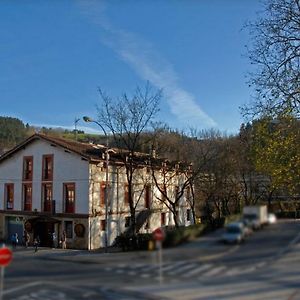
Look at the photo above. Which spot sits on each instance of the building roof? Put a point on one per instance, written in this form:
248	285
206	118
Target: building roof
91	152
88	151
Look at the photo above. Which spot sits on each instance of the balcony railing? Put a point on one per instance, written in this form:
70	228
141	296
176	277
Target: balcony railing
27	206
70	208
47	206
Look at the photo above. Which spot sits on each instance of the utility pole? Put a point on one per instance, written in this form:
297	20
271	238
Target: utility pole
90	120
75	125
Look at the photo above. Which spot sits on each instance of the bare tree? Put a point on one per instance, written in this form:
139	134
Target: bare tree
191	155
172	181
127	118
275	53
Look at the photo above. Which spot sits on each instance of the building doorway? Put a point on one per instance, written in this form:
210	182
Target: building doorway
43	228
44	231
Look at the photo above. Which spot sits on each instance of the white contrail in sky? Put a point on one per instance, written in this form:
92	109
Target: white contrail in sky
149	65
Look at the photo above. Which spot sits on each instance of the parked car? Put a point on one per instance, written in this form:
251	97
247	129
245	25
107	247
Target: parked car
253	221
234	233
272	219
247	226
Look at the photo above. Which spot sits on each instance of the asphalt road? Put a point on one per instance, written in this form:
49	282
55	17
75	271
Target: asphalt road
204	269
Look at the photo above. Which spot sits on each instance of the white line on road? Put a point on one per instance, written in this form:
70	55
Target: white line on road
214	271
173	265
121	265
182	269
197	270
31	284
236	271
132	273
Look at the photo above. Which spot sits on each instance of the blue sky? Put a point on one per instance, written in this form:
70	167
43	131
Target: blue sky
55	54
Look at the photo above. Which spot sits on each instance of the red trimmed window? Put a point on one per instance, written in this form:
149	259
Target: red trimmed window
9	196
27	196
163	219
188	215
69	197
47	196
102	225
27	168
127	221
163	193
47	174
69	229
126	194
102	193
188	194
176	192
147	196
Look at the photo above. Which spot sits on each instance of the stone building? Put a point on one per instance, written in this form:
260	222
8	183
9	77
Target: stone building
50	185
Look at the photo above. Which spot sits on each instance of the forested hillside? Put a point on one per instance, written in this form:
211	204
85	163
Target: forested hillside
13	131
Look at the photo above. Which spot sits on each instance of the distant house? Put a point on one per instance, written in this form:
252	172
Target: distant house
49	184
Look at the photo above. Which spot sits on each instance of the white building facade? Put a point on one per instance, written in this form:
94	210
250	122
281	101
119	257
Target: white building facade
50	185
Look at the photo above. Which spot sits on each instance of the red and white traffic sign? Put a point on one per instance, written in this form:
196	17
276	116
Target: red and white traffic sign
5	256
159	234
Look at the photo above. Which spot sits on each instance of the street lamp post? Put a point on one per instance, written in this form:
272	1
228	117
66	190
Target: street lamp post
90	120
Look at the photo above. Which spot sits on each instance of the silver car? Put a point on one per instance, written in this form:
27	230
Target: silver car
234	233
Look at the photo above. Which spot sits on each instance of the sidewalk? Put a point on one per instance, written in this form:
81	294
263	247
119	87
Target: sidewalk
199	249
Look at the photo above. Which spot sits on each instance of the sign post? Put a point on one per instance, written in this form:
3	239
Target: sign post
5	259
159	236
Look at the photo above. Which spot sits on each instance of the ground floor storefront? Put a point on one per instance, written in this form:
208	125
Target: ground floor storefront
48	230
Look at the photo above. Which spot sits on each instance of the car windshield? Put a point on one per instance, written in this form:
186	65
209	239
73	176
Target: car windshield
250	217
233	229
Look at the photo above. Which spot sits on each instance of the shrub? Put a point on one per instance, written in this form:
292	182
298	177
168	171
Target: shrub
176	236
143	240
232	218
173	236
288	214
128	242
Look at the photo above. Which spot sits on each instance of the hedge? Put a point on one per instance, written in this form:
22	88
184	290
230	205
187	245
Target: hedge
173	236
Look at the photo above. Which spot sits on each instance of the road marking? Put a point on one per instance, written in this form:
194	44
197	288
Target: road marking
44	294
120	271
239	270
259	265
132	273
132	266
147	268
197	270
42	284
89	294
31	284
172	265
222	254
182	269
214	271
122	265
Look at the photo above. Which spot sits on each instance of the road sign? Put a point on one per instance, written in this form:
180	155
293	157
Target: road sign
5	256
158	234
